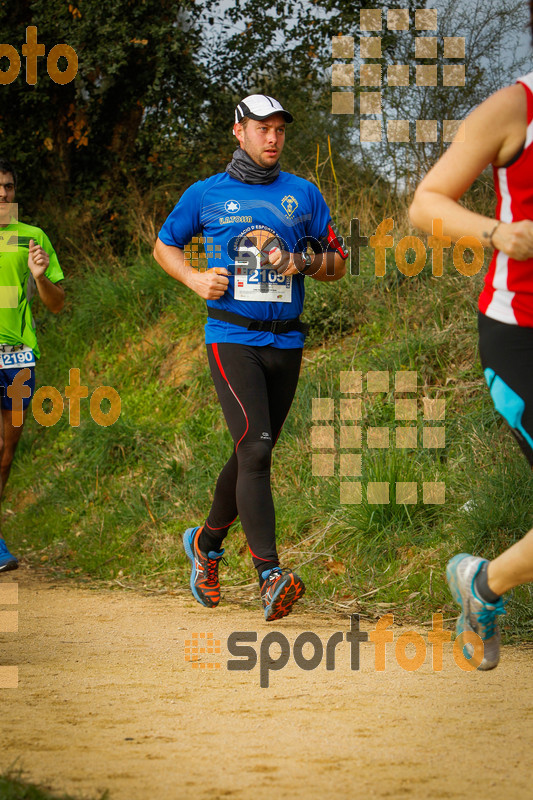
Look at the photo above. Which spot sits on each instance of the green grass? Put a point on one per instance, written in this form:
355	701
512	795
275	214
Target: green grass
110	503
12	788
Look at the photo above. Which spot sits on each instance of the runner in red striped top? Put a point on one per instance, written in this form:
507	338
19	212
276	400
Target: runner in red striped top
498	132
508	292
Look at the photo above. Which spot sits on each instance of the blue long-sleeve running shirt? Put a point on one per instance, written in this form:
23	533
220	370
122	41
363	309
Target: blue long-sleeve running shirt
240	223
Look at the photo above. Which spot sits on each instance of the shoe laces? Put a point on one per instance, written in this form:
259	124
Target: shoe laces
275	573
268	585
212	569
487	617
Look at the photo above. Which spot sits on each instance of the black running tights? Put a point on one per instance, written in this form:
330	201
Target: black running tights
255	386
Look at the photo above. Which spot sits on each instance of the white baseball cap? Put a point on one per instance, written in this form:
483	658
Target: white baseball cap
260	106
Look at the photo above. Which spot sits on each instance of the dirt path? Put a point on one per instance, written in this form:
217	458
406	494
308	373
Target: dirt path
106	700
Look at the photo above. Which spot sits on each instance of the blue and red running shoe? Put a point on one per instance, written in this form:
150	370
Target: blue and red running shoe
280	590
205	585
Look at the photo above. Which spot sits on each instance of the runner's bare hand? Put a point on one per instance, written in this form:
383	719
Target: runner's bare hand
283	262
38	259
211	284
515	239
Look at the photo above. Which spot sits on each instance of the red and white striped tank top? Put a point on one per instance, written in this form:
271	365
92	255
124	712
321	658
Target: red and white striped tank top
507	295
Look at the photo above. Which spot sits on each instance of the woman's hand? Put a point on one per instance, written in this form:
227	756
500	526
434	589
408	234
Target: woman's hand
515	239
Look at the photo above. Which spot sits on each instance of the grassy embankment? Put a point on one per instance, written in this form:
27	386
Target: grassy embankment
12	788
110	503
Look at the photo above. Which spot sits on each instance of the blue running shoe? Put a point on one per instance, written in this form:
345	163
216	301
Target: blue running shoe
204	573
7	561
476	614
280	590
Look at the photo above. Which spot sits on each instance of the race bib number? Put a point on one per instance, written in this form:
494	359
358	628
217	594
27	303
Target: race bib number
16	356
260	284
255	279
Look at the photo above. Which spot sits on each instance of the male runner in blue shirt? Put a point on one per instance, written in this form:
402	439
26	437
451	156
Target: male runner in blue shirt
259	222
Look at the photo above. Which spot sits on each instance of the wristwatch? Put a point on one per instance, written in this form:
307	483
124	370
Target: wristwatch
307	259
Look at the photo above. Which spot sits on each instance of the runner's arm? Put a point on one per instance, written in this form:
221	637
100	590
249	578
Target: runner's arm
329	261
52	294
491	134
210	284
328	266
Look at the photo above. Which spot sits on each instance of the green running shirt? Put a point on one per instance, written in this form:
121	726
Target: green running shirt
16	290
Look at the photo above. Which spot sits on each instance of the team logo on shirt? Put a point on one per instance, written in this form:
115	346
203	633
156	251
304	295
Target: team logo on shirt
232	206
290	204
10	242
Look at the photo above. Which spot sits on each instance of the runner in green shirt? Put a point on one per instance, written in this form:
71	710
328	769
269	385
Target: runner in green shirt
28	264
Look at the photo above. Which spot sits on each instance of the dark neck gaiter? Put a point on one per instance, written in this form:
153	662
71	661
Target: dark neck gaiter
244	169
